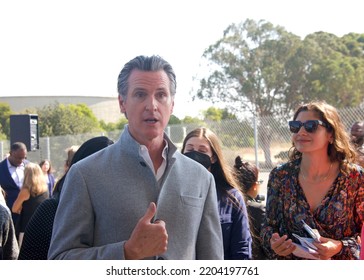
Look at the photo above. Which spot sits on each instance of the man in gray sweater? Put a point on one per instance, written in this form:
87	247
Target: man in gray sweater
139	198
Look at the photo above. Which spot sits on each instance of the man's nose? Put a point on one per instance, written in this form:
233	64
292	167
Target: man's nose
151	104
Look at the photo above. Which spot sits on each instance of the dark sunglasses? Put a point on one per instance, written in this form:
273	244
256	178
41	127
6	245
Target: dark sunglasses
310	126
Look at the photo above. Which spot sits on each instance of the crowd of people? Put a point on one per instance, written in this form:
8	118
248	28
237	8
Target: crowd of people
142	198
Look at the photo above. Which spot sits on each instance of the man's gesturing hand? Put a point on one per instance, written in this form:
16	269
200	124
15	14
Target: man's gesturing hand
147	239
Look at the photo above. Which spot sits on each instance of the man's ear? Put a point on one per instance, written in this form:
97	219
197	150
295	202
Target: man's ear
122	104
172	106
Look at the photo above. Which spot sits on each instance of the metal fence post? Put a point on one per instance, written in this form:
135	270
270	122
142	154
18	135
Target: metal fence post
48	149
168	131
255	140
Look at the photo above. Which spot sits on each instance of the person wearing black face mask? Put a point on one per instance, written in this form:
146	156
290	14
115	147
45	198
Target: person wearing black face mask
203	146
200	158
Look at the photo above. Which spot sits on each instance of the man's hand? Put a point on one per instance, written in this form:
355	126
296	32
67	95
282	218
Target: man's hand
147	239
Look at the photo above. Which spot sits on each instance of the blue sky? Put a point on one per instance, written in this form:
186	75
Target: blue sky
78	47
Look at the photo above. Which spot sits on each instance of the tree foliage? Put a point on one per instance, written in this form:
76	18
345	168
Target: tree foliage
192	120
263	69
174	120
5	113
119	125
335	68
60	119
217	114
248	66
266	70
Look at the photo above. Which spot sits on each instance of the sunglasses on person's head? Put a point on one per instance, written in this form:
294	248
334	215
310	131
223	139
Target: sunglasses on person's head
310	126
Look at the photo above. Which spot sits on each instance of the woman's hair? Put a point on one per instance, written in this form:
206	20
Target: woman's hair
220	169
341	149
34	179
247	174
87	148
2	192
70	153
50	165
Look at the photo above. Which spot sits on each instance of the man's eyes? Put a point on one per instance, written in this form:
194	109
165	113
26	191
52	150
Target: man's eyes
161	95
139	94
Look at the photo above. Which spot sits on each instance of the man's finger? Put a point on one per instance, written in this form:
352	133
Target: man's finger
148	216
160	222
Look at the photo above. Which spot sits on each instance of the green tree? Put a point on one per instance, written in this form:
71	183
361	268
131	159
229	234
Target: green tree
213	114
192	120
60	119
119	125
264	70
217	114
249	68
5	113
174	120
249	73
107	126
336	68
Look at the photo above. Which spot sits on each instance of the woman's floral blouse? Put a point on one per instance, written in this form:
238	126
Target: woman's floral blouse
339	216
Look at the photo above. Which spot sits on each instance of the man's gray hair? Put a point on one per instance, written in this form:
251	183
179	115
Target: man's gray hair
145	63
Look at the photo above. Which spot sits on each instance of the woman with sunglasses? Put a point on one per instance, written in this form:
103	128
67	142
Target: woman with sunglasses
202	145
320	190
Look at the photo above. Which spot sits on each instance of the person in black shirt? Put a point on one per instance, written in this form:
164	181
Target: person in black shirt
248	177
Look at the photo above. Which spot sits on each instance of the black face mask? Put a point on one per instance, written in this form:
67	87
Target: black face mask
200	158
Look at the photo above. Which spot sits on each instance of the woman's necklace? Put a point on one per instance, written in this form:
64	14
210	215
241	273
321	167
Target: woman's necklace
323	179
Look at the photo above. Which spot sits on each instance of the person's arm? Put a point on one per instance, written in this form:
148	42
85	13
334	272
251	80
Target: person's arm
273	243
362	240
18	203
269	225
347	247
350	246
240	239
209	241
74	225
10	248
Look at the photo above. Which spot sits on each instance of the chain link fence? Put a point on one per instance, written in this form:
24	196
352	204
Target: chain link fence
261	140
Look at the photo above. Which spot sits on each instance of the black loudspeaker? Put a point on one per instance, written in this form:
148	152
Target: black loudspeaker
24	128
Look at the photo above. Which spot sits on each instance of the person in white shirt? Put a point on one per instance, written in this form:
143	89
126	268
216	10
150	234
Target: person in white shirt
12	173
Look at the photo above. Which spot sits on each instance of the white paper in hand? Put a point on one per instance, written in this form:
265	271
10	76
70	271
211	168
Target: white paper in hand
306	250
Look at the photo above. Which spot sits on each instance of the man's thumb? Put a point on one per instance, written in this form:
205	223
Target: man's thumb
148	216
